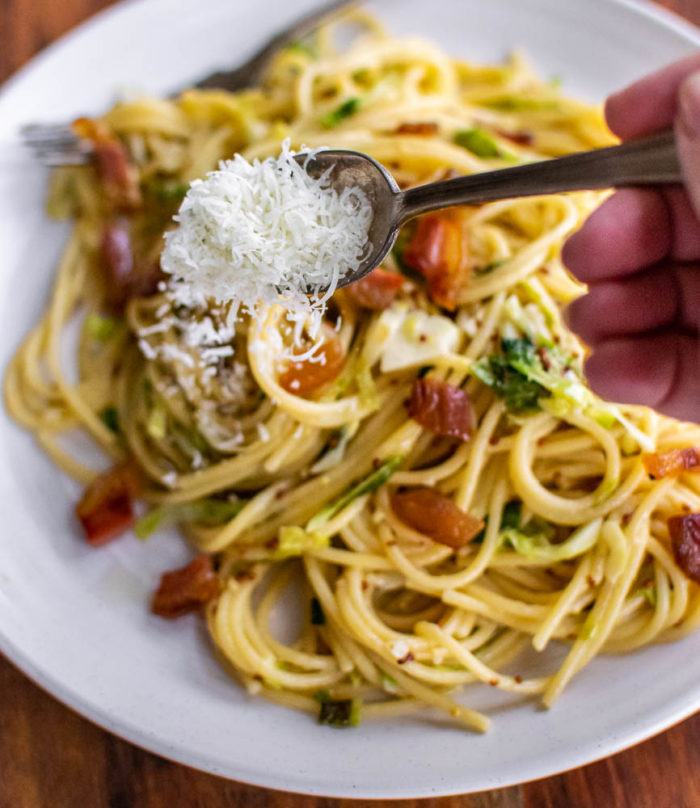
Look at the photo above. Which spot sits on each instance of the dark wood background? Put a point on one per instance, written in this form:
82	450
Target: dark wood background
52	758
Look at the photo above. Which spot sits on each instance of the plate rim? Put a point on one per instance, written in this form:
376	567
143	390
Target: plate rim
683	705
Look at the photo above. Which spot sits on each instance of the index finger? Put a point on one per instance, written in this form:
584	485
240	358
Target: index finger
649	105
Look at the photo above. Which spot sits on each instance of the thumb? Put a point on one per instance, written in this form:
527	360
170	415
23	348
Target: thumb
688	136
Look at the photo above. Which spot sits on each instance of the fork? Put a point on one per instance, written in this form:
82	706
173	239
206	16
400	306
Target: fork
57	145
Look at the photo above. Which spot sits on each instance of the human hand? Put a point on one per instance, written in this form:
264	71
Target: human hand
640	254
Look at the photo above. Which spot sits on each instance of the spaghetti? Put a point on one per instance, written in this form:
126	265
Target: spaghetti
294	474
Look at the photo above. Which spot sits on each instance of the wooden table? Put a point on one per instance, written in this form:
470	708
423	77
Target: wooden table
52	758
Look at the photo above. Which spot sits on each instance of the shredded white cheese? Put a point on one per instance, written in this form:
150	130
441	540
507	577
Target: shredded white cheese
255	234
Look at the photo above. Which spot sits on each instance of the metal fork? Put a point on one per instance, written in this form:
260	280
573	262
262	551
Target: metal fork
57	145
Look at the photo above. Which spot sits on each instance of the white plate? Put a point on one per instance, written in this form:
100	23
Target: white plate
76	620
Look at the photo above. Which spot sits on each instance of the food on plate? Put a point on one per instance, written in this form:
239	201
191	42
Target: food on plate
422	462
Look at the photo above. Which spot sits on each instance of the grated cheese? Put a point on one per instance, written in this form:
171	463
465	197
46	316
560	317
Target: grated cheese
254	234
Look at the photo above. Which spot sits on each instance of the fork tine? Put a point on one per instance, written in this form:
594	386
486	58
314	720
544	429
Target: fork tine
63	157
49	131
57	144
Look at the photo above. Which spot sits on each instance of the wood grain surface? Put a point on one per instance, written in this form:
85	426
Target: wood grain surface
52	758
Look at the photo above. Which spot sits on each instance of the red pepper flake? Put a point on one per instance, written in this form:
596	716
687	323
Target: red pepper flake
408	658
518	679
544	358
493	682
417	129
521	138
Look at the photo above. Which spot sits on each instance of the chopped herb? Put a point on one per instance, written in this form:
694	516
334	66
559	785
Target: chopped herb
387	682
295	541
489	268
318	617
157	423
100	328
334	449
480	143
167	191
208	511
648	591
339	114
307	48
534	541
510	103
504	374
337	713
368	485
589	629
110	418
510	520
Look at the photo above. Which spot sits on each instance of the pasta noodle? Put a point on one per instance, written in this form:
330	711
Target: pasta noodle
574	548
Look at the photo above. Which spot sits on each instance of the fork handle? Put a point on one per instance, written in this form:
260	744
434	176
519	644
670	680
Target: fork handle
648	161
249	74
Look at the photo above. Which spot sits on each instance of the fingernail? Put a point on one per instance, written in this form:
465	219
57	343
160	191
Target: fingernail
689	105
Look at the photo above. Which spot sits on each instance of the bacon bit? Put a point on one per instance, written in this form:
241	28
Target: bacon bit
120	177
438	250
407	658
185	590
106	508
521	138
685	538
125	276
441	408
302	378
436	516
377	290
668	464
417	129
